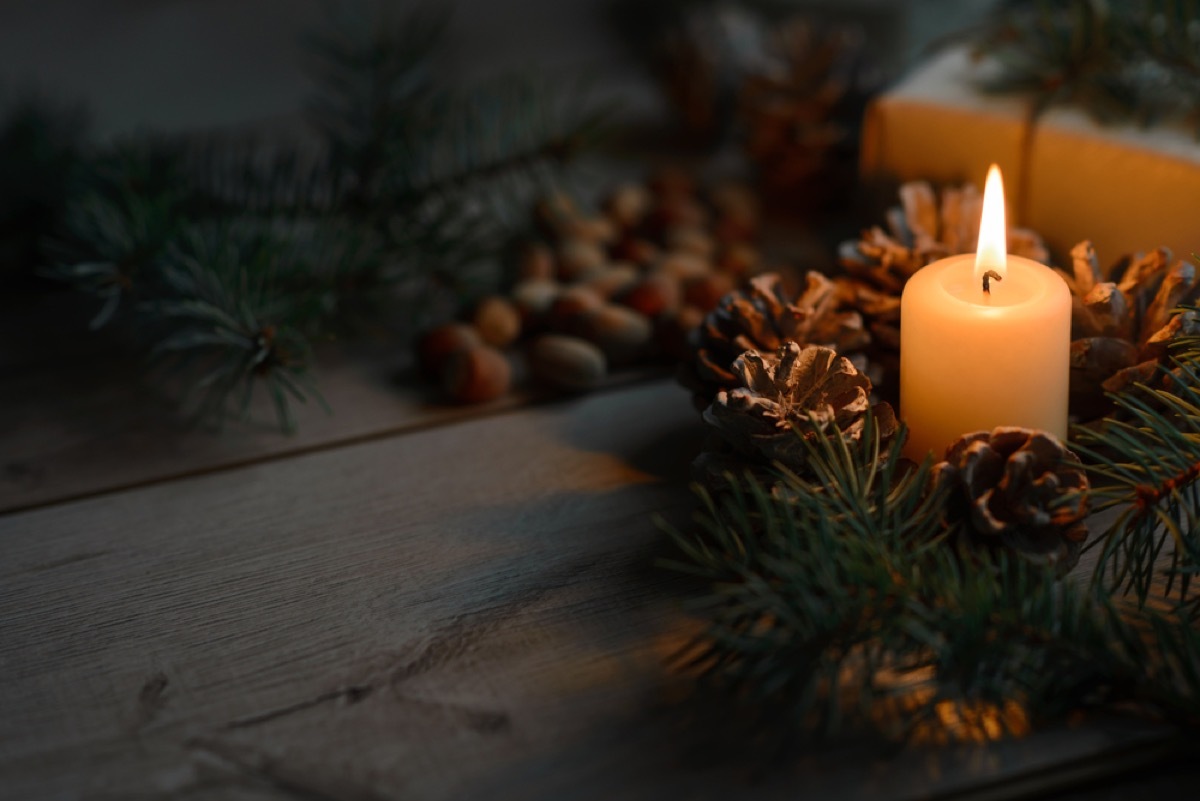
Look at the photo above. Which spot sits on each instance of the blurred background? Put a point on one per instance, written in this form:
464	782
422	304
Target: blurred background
176	65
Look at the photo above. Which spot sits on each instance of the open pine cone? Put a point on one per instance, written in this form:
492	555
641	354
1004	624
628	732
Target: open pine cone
802	104
760	318
1018	488
798	393
922	230
1124	319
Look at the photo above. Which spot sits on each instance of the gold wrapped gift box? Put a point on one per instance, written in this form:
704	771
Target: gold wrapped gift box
1124	187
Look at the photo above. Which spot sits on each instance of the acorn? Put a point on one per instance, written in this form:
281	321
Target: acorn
691	239
578	257
654	295
535	262
627	205
737	216
739	259
551	212
612	279
672	182
673	211
597	230
569	307
706	291
497	320
567	363
438	344
476	375
623	334
683	266
534	298
636	250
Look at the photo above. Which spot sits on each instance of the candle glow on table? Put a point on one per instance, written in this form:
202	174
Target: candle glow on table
970	359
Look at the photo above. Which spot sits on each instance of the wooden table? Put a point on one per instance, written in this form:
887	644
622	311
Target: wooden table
403	601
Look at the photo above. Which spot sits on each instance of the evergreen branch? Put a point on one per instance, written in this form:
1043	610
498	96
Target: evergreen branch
1145	461
1118	60
845	598
230	255
221	326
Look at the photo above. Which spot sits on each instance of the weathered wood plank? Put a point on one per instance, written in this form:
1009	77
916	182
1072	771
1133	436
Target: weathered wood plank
253	589
463	612
91	426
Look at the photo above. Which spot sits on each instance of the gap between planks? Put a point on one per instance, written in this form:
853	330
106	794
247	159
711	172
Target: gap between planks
436	418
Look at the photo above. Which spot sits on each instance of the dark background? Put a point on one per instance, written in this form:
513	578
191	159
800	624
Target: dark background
186	64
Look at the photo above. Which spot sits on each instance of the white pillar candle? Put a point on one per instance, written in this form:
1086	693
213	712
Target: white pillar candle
972	359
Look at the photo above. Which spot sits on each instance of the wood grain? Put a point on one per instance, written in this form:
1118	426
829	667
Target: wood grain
464	612
91	425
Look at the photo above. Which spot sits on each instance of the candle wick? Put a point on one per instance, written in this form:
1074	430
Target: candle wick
987	278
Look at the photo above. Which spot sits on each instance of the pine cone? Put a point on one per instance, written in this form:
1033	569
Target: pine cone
760	319
1124	320
1019	488
802	104
921	231
798	393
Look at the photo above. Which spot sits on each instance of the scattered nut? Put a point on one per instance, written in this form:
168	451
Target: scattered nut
498	321
673	211
706	291
535	262
534	299
437	345
553	211
683	266
570	305
672	182
627	205
635	250
621	333
578	257
598	230
612	279
476	375
567	363
691	239
654	295
739	259
613	288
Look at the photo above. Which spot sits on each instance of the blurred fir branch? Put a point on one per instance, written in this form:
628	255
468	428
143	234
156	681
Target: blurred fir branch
1135	60
229	256
1145	462
848	601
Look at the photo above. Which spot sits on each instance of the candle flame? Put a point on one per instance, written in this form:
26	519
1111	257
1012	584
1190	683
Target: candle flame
991	253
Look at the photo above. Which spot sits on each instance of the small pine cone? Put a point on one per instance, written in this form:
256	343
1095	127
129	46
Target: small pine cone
760	319
1124	320
922	230
1019	488
801	105
797	394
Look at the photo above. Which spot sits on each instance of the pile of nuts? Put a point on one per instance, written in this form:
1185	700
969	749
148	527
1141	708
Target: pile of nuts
598	292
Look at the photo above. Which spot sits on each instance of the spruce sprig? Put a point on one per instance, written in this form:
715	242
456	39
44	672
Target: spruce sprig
229	257
1144	460
1136	60
843	597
